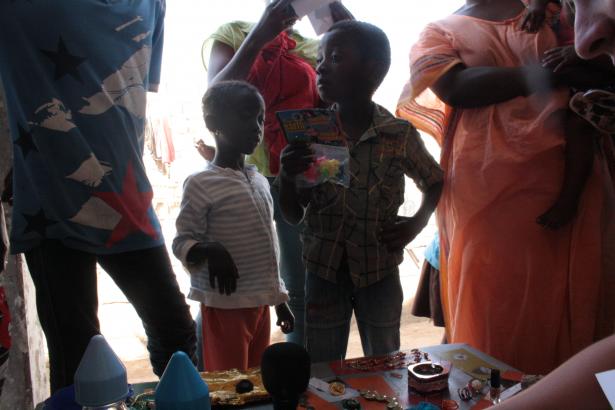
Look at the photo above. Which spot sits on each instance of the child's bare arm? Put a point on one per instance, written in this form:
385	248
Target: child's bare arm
425	171
295	159
405	229
557	58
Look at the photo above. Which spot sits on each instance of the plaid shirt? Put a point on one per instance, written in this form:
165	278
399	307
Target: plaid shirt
345	222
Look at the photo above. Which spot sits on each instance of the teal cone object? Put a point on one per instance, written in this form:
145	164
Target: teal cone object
100	378
181	386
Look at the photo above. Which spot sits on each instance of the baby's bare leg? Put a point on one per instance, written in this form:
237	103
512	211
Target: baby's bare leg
580	141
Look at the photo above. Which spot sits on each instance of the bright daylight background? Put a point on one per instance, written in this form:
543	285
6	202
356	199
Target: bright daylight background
188	23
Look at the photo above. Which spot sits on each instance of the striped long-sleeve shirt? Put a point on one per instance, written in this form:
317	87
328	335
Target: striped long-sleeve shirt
233	208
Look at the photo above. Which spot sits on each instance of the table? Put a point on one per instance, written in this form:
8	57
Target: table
398	385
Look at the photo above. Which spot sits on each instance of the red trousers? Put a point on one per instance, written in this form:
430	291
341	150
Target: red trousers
234	338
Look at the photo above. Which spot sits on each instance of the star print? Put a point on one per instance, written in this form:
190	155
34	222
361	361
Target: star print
37	223
65	62
132	205
25	141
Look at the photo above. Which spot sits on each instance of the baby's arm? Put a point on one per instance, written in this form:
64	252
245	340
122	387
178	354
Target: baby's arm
572	71
558	58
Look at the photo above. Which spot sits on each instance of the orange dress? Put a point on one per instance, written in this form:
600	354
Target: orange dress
531	297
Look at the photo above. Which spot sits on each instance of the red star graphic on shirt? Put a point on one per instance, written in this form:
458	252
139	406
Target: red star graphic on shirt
132	205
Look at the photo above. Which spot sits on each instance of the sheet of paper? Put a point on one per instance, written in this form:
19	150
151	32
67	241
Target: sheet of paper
321	389
607	382
304	7
321	19
469	363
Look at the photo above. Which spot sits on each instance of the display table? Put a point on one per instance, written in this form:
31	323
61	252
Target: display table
394	382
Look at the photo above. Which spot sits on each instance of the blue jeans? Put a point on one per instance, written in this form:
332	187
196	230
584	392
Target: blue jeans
329	308
292	269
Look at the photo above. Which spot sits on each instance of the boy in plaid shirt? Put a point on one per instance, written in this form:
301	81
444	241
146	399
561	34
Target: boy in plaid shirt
354	240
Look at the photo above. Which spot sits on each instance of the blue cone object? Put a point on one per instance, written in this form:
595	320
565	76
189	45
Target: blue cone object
100	378
181	386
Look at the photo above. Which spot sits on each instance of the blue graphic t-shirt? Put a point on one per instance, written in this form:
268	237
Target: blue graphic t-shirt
76	73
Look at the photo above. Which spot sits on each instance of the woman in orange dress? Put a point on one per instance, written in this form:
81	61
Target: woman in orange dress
529	296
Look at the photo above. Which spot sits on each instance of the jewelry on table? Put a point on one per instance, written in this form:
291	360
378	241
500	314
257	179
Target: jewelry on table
337	388
394	361
391	403
473	389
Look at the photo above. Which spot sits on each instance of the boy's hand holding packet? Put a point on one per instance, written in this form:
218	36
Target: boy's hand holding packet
317	151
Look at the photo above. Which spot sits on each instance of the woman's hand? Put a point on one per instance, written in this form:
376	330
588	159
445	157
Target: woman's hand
278	16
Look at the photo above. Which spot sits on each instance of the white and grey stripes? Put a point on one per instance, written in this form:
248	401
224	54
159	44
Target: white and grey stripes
233	208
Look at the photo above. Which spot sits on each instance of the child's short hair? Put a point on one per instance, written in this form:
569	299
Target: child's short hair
372	43
223	96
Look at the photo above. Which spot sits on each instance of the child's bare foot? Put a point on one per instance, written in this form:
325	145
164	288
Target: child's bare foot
559	215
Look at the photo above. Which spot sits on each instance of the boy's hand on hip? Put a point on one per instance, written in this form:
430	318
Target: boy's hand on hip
295	159
286	319
401	233
222	267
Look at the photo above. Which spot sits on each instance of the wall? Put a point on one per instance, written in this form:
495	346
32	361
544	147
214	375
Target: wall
27	381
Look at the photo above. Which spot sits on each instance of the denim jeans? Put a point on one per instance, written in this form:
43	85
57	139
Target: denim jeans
67	303
292	269
329	308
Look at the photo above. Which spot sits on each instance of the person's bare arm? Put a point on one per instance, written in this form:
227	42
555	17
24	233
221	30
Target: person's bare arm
573	385
226	64
473	87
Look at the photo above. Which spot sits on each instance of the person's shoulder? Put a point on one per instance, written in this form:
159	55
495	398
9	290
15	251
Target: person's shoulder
389	125
237	25
302	40
257	177
306	48
232	32
443	27
206	175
